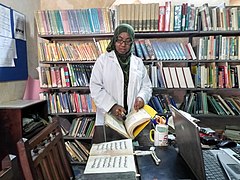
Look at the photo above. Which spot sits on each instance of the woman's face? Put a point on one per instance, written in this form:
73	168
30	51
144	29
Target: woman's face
123	43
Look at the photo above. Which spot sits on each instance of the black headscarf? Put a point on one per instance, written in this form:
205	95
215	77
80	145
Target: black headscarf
123	59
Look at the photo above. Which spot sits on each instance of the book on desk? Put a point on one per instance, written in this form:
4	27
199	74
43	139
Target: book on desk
111	160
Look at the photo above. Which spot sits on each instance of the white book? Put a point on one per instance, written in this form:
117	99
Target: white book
174	77
168	78
188	77
191	51
154	76
181	79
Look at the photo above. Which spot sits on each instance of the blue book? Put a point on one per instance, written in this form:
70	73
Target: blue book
156	104
144	49
156	51
71	20
90	20
95	18
85	15
138	49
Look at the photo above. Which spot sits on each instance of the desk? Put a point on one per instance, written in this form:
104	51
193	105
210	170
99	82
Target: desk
171	167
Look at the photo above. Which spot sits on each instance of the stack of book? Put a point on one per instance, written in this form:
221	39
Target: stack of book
74	21
203	103
69	102
156	50
233	133
170	77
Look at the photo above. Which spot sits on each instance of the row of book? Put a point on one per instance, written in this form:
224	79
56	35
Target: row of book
64	75
216	75
161	102
156	50
220	17
170	77
68	102
219	47
181	17
143	17
71	51
146	49
82	127
78	151
74	21
203	103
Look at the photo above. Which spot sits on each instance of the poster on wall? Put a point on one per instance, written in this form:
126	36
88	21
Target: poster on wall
19	22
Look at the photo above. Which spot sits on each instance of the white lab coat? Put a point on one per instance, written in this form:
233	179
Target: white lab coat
107	81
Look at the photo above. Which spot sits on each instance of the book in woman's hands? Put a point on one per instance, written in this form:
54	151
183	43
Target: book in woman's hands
111	160
135	122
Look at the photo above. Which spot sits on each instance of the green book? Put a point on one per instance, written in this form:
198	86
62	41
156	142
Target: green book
212	106
59	22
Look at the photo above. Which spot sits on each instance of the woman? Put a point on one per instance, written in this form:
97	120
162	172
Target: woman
119	81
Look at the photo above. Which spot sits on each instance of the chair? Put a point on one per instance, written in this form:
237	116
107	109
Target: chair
44	156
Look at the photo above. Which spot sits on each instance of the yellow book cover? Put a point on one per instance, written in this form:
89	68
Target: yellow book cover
135	122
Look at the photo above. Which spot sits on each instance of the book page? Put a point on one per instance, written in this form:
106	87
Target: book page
110	157
110	164
118	147
116	125
135	119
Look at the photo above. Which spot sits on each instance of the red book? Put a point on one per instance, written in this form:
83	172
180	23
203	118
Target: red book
67	77
84	103
167	16
58	77
161	18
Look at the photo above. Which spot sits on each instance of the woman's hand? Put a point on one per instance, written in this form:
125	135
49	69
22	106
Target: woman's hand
118	111
139	103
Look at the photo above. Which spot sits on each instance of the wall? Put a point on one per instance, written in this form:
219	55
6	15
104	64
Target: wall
15	89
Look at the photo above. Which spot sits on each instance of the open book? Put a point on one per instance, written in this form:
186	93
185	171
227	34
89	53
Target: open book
134	123
111	160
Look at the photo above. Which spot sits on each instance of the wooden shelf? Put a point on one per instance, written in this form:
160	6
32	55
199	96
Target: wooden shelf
11	129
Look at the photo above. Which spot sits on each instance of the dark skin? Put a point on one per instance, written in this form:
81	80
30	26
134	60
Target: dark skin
122	48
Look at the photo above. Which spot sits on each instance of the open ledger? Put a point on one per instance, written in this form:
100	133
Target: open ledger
111	160
135	122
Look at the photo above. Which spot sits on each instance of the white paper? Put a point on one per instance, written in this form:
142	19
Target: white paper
7	52
5	22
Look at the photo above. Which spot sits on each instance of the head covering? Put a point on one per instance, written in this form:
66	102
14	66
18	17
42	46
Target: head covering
121	28
123	59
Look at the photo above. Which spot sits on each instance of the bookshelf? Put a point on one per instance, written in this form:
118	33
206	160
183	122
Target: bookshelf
52	45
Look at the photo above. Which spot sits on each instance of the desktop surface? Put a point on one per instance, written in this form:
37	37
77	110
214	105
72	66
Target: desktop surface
171	167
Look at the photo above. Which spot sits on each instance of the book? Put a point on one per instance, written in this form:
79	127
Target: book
111	160
168	78
134	123
174	78
188	77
